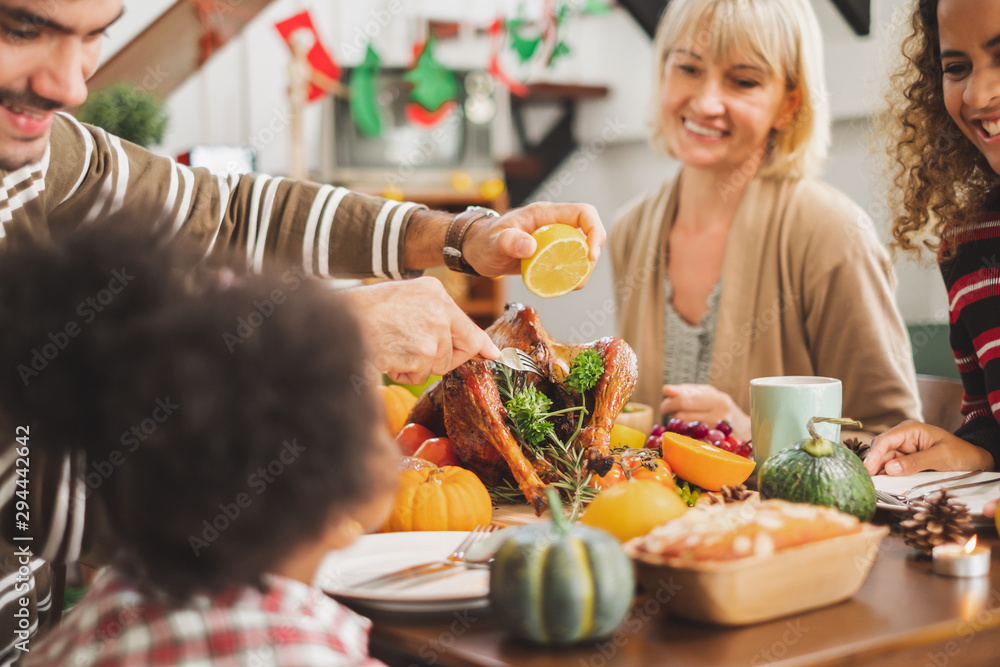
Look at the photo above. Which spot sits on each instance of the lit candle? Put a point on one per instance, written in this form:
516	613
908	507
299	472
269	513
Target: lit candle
955	560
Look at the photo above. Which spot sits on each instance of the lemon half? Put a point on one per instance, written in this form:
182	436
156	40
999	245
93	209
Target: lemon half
561	262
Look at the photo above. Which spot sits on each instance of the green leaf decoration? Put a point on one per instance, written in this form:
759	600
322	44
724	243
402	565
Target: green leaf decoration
594	7
433	83
560	50
364	101
524	47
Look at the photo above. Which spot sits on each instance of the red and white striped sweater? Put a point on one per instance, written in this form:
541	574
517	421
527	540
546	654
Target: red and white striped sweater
972	277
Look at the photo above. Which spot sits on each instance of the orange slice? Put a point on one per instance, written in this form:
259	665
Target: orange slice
561	262
703	464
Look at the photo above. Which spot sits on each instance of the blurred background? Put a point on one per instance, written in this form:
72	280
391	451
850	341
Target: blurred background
494	102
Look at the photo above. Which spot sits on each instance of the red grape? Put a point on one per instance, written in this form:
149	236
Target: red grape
697	430
717	438
654	441
658	430
725	427
677	426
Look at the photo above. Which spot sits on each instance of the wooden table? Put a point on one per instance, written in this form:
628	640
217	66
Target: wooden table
903	616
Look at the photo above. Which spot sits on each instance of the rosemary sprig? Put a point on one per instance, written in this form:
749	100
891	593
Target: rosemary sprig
505	492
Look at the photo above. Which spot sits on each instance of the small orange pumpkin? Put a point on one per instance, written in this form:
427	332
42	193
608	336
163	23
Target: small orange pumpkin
448	498
398	403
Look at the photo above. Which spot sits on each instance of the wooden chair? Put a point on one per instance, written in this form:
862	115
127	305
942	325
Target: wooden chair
942	401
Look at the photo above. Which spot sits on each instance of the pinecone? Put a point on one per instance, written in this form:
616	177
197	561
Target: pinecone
731	494
858	447
937	519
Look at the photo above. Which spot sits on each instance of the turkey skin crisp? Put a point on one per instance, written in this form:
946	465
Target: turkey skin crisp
466	404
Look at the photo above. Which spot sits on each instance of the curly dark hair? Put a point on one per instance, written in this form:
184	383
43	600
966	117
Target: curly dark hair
940	178
230	414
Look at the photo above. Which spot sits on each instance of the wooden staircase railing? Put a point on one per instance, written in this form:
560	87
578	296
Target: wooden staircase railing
171	48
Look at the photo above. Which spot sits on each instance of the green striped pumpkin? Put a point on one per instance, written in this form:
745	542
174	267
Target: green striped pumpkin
555	583
819	472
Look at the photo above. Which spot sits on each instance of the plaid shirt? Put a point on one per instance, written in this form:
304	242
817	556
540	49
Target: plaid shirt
290	625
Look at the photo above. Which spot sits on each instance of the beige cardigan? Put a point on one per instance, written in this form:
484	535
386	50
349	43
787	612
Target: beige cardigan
807	289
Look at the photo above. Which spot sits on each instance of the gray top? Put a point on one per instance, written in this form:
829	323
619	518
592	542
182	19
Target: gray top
687	348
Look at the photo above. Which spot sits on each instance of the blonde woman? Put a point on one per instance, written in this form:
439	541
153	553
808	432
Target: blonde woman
744	265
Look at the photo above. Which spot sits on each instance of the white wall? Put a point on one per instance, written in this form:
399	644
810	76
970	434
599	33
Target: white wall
239	98
626	169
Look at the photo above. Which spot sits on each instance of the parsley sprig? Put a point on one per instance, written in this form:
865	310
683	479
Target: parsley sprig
585	370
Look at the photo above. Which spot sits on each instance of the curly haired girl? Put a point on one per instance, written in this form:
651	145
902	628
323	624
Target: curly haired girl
945	130
220	422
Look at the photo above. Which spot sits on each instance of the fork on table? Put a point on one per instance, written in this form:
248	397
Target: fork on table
455	559
904	499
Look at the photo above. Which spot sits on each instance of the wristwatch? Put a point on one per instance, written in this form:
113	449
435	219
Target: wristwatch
454	238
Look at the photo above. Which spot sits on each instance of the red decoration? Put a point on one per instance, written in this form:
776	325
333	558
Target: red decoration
420	117
319	57
213	37
496	33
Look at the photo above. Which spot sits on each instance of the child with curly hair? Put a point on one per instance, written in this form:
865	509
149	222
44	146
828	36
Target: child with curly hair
222	426
944	136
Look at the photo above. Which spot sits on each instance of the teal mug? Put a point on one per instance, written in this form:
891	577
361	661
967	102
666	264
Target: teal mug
781	406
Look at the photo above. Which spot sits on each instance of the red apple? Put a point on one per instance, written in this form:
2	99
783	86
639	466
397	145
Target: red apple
440	451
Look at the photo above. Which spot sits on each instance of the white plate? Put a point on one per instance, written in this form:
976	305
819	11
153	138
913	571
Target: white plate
974	497
373	555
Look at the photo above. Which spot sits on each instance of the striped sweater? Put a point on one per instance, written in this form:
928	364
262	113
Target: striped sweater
972	277
86	176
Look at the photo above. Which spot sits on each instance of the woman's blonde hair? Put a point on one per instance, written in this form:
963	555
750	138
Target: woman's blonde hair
940	179
784	35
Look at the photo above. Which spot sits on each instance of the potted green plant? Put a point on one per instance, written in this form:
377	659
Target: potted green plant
126	111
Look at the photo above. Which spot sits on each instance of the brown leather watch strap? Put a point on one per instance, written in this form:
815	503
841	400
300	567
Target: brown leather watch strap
455	238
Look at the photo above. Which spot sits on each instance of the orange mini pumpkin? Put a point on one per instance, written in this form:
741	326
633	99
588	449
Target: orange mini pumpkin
448	498
398	403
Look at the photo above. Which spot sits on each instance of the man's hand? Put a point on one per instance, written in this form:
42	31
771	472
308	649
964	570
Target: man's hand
704	403
412	329
496	246
914	446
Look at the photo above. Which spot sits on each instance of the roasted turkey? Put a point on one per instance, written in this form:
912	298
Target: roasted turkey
466	404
